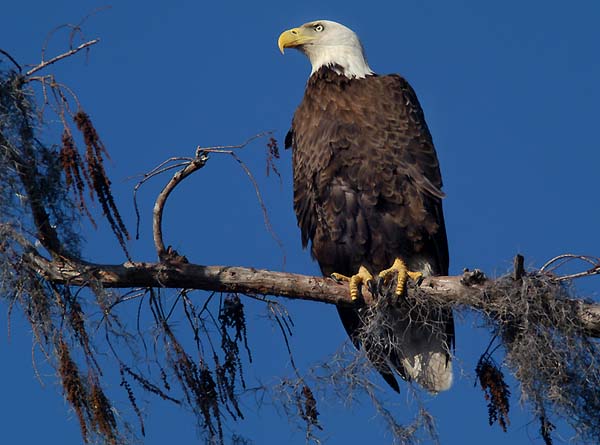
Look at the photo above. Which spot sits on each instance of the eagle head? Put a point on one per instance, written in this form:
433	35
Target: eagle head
329	44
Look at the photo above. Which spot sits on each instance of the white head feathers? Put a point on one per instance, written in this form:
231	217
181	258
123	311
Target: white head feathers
328	43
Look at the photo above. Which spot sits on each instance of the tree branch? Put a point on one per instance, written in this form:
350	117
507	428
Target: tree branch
195	164
69	53
244	280
190	165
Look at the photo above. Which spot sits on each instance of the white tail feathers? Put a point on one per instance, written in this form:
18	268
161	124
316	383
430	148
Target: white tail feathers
425	343
417	347
431	370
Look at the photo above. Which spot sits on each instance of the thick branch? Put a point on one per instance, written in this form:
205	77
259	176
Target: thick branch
259	282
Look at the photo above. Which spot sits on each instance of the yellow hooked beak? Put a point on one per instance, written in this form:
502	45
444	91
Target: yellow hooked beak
292	38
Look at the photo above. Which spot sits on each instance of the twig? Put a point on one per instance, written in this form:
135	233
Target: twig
587	273
76	29
258	196
242	145
284	334
566	257
61	56
60	98
190	165
560	260
160	168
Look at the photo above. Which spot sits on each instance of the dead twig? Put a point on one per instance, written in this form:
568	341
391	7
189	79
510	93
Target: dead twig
561	260
258	196
55	59
190	165
197	163
160	168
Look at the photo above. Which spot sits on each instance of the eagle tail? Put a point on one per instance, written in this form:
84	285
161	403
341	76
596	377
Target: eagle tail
414	351
427	363
423	336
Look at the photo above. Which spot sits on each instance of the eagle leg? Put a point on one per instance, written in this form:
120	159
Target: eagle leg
362	277
404	274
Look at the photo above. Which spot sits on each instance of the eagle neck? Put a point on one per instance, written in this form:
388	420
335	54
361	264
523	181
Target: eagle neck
332	73
347	61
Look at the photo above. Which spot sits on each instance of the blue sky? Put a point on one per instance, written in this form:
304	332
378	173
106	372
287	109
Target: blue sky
510	92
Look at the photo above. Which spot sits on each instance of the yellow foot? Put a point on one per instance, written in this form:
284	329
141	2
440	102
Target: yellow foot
362	277
404	274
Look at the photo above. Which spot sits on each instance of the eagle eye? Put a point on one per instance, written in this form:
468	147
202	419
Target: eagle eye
318	27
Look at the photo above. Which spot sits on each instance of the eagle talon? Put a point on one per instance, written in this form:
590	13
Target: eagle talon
404	274
362	277
338	277
417	277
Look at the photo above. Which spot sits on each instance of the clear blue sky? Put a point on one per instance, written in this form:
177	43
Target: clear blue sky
510	91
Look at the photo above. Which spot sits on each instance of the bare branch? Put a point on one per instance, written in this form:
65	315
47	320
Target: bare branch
560	260
190	165
196	164
61	56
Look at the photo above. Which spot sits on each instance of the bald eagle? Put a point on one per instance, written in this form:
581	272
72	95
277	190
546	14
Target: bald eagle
367	195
